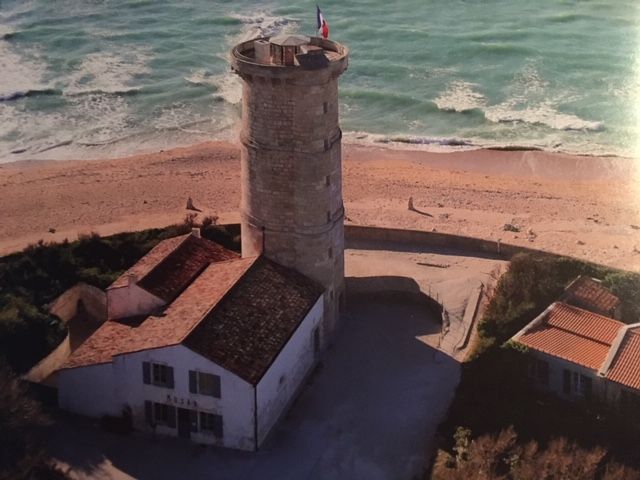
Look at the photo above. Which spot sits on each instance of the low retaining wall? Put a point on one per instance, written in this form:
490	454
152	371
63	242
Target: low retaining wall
355	235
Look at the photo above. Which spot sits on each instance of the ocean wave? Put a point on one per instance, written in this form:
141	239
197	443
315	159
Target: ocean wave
6	33
542	114
22	73
7	97
429	143
202	77
460	96
228	88
110	72
263	24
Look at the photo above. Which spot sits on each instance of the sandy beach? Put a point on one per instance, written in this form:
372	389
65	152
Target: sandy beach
587	207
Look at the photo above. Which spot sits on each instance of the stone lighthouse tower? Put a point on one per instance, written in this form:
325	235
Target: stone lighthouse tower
291	173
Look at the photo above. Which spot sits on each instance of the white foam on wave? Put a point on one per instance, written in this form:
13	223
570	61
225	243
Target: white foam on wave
201	77
529	102
260	24
263	24
460	96
541	114
21	72
409	142
110	72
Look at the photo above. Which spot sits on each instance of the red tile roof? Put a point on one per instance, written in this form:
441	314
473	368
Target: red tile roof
573	334
246	331
625	368
149	261
173	264
238	313
590	294
116	337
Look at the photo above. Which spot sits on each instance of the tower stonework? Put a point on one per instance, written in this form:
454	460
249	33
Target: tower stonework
291	167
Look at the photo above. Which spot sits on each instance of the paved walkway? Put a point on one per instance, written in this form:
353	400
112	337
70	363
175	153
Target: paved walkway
454	279
369	412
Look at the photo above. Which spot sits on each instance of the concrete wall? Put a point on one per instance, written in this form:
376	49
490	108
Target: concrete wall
89	391
236	405
291	170
94	300
130	300
279	386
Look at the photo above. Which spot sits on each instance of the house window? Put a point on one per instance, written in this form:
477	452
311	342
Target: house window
160	414
542	372
566	382
577	384
204	383
157	374
211	423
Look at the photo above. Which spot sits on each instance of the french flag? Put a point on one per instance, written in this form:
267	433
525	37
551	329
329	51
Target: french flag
323	26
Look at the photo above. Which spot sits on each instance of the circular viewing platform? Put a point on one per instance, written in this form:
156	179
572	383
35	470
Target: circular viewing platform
282	53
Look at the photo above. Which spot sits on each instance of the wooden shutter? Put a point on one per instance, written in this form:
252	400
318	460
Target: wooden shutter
146	373
216	386
217	425
171	420
148	412
193	417
566	382
170	383
193	382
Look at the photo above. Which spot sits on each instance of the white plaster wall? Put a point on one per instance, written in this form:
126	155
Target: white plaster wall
278	386
236	404
556	368
129	301
88	391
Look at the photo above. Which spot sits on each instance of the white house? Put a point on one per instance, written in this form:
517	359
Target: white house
199	343
582	354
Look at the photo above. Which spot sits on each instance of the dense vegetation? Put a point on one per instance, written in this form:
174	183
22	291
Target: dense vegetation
29	280
499	428
21	423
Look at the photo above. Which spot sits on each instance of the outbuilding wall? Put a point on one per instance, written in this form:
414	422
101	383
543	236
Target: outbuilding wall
88	391
129	301
279	386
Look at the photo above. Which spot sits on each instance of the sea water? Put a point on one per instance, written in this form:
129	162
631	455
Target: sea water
96	78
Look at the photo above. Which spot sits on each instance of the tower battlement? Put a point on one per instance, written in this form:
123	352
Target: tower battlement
291	168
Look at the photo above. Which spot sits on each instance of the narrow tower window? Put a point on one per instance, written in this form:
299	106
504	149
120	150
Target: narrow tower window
328	216
328	180
330	252
325	107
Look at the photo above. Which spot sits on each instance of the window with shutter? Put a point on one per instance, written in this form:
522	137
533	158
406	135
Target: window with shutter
158	374
204	383
146	373
148	412
211	423
193	382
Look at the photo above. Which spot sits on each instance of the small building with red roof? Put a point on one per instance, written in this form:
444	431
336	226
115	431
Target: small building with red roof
579	353
198	343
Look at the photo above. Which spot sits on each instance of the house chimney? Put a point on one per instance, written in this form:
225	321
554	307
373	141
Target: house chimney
131	278
195	232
